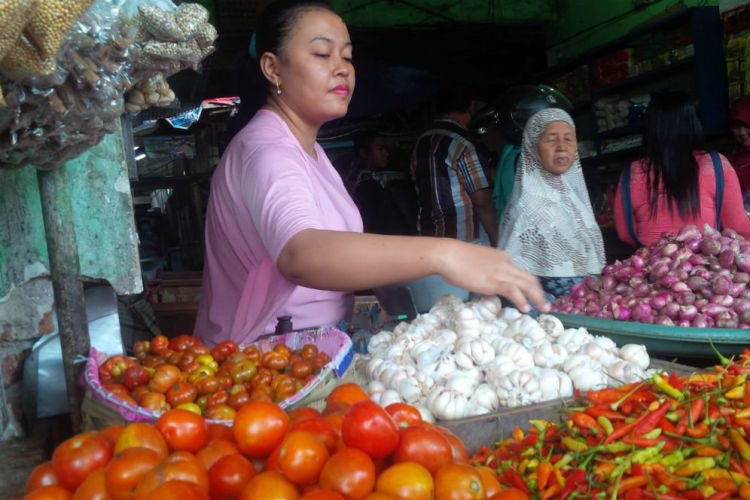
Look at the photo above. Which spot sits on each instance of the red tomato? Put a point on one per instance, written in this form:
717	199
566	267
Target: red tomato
458	482
404	415
303	413
163	378
51	492
322	429
425	446
93	488
158	343
183	430
139	435
181	392
177	490
223	350
179	466
349	471
126	469
220	431
459	450
376	495
181	342
347	393
369	428
489	480
79	456
220	412
135	376
229	475
301	457
406	480
154	401
322	495
259	428
42	475
510	494
214	450
111	433
269	484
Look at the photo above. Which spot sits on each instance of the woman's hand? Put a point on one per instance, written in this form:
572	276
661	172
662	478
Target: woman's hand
489	271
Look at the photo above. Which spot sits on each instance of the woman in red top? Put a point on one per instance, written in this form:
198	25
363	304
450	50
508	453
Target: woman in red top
675	184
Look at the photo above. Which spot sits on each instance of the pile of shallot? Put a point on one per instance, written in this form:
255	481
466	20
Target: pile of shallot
463	359
692	279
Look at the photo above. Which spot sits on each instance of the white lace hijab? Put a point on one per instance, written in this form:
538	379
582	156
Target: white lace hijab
548	227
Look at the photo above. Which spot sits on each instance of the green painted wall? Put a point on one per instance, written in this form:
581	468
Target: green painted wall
583	25
387	13
103	217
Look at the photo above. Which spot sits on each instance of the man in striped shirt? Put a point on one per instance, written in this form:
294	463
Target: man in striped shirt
450	172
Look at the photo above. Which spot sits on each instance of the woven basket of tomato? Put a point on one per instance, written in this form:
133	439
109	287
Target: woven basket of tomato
291	370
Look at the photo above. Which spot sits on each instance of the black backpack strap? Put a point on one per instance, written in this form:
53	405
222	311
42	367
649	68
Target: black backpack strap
627	205
719	175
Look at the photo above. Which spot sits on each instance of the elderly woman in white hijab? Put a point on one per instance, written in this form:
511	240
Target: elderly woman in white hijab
548	227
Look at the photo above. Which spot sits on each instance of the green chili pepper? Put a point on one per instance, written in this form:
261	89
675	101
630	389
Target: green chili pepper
616	447
655	433
673	458
565	460
724	360
666	387
641	456
606	424
672	416
572	444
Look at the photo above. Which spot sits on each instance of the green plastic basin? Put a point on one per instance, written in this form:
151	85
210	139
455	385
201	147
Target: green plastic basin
664	341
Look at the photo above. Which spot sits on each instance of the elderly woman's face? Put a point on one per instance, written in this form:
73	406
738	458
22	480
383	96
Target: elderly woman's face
316	72
741	134
557	147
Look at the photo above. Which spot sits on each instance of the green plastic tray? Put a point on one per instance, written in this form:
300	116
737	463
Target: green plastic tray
664	341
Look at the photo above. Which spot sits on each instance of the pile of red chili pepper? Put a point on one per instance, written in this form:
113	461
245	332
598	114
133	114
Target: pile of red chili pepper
666	438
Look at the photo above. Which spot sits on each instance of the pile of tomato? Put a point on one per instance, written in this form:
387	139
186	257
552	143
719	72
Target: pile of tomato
354	449
185	373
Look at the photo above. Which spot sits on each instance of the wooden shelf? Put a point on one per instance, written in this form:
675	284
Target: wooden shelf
661	72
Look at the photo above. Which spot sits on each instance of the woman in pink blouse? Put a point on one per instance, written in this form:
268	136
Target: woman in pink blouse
283	237
676	183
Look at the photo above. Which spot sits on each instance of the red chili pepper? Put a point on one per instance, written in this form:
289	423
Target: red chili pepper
648	422
699	431
692	495
714	412
543	474
586	423
720	495
641	441
676	381
620	432
695	413
667	426
596	412
514	479
736	466
572	482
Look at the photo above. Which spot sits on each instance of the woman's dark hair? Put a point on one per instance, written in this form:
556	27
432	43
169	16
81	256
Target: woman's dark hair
276	21
671	132
272	27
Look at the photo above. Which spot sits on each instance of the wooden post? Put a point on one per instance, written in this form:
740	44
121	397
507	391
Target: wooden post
57	211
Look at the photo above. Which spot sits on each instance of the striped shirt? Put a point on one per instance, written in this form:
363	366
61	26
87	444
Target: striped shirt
448	165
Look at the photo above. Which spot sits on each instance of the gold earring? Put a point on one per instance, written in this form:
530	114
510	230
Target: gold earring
278	89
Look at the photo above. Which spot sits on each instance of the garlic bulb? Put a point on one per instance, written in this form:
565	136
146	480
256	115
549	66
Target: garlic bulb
573	338
500	368
509	314
445	404
389	396
485	398
547	355
379	342
411	390
624	372
551	324
577	360
462	381
554	384
499	342
444	337
375	387
442	367
519	388
636	354
586	378
477	350
519	354
606	343
426	353
426	414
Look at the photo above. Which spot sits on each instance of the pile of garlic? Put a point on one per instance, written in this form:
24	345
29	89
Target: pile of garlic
464	359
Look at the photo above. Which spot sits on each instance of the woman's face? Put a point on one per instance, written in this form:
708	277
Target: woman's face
315	69
557	147
741	134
